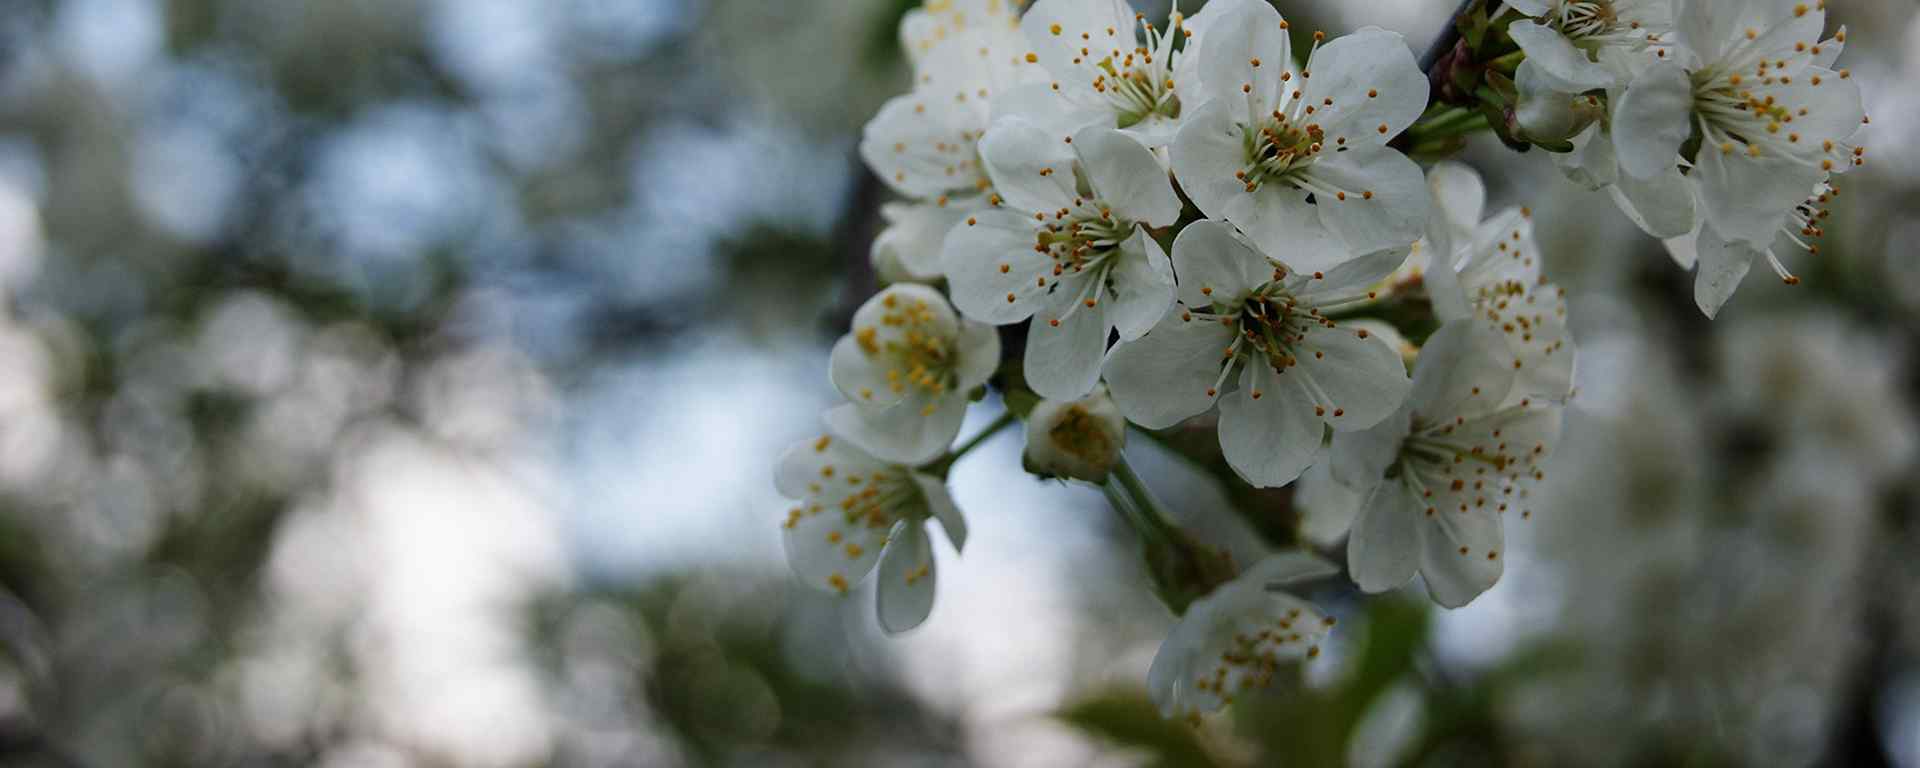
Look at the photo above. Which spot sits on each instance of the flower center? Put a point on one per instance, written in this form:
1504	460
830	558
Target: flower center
1277	148
1080	435
1453	467
1082	242
1590	19
1139	84
1733	117
1269	325
1272	322
918	350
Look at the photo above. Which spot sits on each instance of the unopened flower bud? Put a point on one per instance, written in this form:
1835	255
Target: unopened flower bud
1080	439
1547	114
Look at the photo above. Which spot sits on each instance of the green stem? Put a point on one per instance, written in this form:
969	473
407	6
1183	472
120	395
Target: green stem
938	467
1452	122
1121	503
998	424
1147	507
1509	62
1182	569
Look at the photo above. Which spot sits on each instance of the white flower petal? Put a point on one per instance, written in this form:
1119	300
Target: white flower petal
1662	206
940	505
1531	7
916	145
1444	289
1246	33
1350	279
860	377
1373	81
1650	120
1462	554
1701	31
1360	459
1830	48
1591	164
992	258
1063	360
940	318
915	235
1383	549
830	548
1032	169
1142	286
905	587
1685	249
1746	198
1125	175
1059	29
977	351
1386	198
1511	298
1165	376
1353	375
1563	66
1059	111
1206	153
1723	264
1327	507
914	431
805	464
1270	439
1290	229
1234	639
1832	109
1215	264
1463	370
1459	201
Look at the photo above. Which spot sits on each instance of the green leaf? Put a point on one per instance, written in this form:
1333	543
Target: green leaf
1127	718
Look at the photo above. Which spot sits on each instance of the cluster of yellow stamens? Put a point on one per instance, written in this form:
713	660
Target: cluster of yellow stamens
1081	241
1604	22
1281	144
1252	657
1462	466
1742	103
865	502
1520	308
1134	76
1271	327
916	345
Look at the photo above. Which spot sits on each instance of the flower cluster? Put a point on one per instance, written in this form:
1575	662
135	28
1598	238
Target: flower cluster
1717	125
1201	229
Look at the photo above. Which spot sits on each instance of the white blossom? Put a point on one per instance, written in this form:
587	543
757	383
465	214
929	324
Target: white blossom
1751	81
1100	73
908	366
1080	439
1235	638
1067	246
1495	278
924	28
1438	476
1720	264
923	143
856	511
1297	158
1300	372
1581	45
